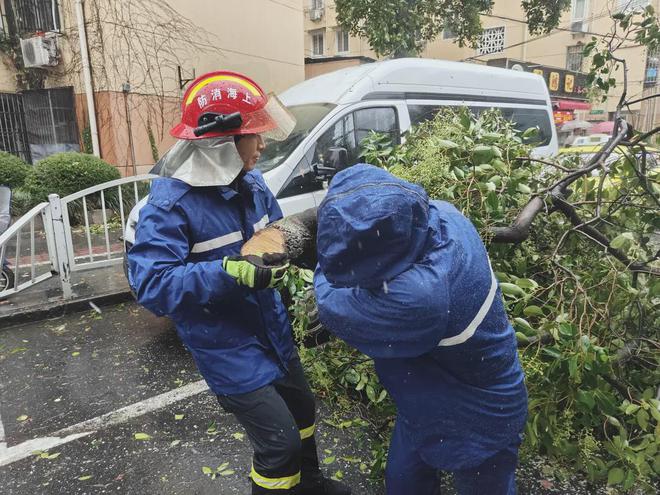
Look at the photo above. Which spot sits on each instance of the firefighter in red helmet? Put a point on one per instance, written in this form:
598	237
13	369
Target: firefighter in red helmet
186	264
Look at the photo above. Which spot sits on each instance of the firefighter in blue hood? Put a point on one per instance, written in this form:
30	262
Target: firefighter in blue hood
186	264
408	282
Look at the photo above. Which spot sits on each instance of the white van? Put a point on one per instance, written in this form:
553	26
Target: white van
336	111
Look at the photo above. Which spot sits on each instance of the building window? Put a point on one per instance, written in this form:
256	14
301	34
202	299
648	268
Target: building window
342	41
631	5
652	65
29	16
579	15
317	4
491	41
317	44
574	58
448	33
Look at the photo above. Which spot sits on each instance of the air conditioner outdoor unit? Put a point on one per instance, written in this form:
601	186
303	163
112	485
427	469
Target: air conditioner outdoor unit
40	51
578	27
316	14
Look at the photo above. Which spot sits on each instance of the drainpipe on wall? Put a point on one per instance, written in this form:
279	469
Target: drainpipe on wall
87	76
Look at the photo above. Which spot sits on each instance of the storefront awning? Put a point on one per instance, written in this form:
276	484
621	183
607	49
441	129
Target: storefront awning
571	105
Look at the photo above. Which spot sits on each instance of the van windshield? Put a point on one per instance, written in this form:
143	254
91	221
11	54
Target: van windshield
307	117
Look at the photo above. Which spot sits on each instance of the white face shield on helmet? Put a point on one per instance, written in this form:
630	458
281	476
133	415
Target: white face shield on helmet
203	162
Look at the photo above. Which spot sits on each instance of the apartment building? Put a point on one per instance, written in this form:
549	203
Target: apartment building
506	42
141	55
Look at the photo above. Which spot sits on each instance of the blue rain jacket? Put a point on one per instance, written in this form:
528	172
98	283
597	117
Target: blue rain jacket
408	282
239	338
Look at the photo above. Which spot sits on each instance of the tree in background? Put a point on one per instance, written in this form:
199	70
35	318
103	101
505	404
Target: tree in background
403	27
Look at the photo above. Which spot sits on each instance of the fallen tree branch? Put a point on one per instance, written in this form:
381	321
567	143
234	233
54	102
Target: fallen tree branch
646	135
544	162
594	234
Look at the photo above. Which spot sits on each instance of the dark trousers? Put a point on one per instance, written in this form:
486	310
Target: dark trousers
407	473
279	421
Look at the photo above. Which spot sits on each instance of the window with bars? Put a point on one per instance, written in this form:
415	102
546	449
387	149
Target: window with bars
317	43
13	131
342	41
316	4
652	65
30	16
574	57
491	41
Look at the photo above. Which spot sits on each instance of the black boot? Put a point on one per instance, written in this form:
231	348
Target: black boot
326	486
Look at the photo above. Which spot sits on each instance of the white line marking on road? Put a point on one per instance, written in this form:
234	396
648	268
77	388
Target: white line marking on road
9	455
3	445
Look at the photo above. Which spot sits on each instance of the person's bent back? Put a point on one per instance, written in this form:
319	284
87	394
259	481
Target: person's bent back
408	282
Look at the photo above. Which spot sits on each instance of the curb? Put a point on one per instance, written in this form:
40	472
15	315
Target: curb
60	308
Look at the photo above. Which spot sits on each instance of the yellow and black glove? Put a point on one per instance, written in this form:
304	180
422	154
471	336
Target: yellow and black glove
256	272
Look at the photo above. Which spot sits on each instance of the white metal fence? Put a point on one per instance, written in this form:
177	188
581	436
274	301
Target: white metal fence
63	235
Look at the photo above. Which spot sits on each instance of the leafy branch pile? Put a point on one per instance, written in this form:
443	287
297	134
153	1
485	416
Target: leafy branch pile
585	313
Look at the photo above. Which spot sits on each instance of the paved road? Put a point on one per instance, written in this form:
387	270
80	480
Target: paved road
75	391
59	380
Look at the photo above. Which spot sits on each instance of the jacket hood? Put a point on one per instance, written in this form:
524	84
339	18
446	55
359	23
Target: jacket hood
371	227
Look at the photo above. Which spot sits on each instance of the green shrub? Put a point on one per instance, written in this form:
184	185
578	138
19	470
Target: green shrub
22	202
67	173
13	170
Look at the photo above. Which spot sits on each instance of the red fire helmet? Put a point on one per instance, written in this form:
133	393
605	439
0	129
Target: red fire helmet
225	103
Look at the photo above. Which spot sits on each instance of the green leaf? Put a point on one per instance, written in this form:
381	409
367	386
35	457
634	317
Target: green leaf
532	311
572	366
179	417
523	188
446	144
511	289
553	353
586	398
174	443
329	460
207	470
615	476
22	417
643	419
222	466
530	133
238	435
85	477
75	354
141	436
622	241
227	472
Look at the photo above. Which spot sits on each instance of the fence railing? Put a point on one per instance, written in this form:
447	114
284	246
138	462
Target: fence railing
26	250
70	235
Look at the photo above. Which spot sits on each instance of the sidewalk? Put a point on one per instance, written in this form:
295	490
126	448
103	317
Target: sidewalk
101	286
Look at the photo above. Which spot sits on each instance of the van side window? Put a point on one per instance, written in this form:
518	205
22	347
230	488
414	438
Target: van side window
525	118
522	118
422	113
351	129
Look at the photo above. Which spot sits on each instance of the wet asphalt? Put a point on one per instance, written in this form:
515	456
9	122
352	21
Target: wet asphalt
55	374
58	373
